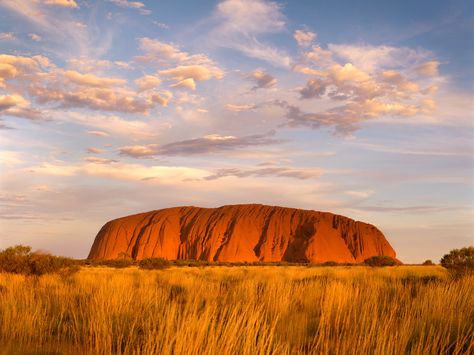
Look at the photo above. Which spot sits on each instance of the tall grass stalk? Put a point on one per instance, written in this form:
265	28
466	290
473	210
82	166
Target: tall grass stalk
241	310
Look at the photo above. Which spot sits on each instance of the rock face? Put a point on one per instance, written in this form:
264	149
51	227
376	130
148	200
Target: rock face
240	233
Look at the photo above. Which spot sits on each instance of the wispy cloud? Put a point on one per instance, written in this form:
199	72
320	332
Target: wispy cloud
132	5
240	23
272	171
7	36
206	145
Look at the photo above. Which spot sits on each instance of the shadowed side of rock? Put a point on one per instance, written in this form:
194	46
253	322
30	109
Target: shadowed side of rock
240	233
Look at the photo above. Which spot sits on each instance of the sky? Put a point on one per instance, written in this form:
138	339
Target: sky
109	108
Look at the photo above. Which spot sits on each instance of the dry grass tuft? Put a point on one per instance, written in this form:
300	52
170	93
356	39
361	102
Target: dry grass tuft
241	310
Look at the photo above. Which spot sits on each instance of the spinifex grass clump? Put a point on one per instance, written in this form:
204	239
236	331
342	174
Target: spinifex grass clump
242	310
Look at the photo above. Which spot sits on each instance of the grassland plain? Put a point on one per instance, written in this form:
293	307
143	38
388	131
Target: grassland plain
239	310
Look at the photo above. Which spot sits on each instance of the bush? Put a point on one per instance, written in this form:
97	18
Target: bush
459	261
15	259
119	263
154	264
330	263
20	260
428	262
380	260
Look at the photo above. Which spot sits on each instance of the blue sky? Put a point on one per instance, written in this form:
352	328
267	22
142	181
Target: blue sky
116	107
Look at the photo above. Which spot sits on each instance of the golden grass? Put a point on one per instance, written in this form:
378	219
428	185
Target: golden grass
241	310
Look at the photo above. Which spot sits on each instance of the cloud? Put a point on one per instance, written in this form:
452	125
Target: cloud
122	172
321	57
345	119
66	36
148	82
239	108
196	72
62	3
111	125
101	99
90	65
18	106
429	68
132	5
94	150
139	151
156	50
10	158
8	101
359	194
209	144
262	80
370	58
92	80
188	83
7	36
313	88
240	22
304	38
161	25
98	133
184	69
41	80
34	37
98	160
377	81
185	76
296	173
12	67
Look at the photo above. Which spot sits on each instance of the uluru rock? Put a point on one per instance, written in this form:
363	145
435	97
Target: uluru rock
240	233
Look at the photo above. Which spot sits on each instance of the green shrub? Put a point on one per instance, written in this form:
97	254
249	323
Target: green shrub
154	264
459	261
380	260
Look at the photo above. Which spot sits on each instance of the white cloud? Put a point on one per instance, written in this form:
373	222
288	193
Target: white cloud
185	76
359	194
61	3
429	68
10	158
188	83
98	133
7	36
138	5
304	38
148	82
371	58
240	22
121	171
34	37
114	126
156	50
239	108
92	80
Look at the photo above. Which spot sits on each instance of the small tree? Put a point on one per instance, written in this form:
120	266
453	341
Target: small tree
21	260
380	260
428	262
15	259
459	261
